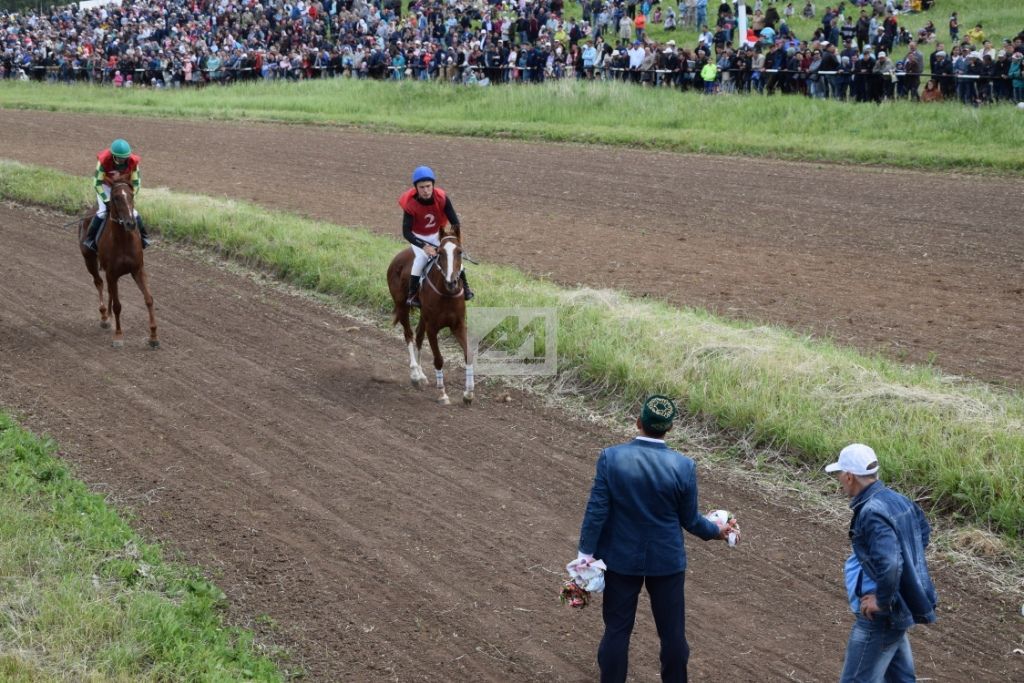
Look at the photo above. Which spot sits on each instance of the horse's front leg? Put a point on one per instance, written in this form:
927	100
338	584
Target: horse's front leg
115	307
460	335
438	365
416	375
97	281
143	282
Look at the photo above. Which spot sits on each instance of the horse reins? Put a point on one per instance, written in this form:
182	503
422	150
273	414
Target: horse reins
432	265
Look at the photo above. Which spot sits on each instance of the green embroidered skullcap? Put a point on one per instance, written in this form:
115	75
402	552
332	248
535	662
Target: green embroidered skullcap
658	413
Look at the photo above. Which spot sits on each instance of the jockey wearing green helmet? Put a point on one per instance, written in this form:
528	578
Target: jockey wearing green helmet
114	163
427	211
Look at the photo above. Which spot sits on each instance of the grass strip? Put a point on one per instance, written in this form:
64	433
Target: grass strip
904	134
83	598
958	445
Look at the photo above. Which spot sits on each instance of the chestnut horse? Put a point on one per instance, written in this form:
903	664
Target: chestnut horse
441	305
118	252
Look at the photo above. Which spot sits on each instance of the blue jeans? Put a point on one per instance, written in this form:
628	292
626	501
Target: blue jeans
668	605
877	654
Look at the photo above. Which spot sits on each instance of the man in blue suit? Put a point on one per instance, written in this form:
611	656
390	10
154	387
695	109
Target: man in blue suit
644	494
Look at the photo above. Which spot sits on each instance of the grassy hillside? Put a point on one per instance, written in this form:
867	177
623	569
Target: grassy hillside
999	19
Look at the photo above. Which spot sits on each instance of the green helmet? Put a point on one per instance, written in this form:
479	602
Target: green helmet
120	148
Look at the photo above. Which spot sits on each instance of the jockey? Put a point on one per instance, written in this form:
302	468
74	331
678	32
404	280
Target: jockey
117	160
428	210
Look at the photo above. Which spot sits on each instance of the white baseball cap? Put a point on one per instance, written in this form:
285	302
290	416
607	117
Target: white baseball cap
856	459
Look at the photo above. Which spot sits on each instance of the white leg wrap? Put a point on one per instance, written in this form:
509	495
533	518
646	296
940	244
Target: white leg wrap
469	378
439	374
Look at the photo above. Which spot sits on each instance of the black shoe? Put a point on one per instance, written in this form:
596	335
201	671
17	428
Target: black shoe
467	293
414	292
90	236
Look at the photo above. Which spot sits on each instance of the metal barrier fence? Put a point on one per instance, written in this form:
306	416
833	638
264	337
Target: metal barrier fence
967	87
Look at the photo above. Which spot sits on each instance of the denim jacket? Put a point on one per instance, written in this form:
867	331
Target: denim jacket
889	534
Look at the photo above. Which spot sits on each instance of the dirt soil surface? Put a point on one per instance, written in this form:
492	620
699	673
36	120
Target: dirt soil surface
922	267
278	444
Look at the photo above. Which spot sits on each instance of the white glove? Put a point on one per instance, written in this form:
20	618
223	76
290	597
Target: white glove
583	559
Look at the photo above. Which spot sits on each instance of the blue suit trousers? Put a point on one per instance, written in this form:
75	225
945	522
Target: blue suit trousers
668	605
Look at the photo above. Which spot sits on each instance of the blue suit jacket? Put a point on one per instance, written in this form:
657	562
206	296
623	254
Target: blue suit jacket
644	494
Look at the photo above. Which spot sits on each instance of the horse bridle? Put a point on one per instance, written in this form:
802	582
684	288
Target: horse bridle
431	265
125	223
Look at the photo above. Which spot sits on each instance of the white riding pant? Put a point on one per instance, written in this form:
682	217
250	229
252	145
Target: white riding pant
102	211
421	256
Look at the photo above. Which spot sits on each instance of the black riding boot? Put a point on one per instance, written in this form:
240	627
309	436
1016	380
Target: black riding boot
414	291
468	293
90	236
142	231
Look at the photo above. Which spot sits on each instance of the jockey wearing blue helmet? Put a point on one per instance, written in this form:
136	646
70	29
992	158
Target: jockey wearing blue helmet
422	173
428	211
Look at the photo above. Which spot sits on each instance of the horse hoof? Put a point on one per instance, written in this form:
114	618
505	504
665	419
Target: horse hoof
154	343
105	324
117	343
417	382
444	401
467	397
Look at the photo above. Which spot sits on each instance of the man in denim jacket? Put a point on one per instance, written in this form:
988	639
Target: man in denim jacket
887	576
644	494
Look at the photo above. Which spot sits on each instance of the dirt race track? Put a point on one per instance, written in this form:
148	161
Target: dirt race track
923	267
278	444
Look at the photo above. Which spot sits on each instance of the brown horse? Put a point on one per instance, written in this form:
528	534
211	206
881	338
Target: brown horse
118	252
441	305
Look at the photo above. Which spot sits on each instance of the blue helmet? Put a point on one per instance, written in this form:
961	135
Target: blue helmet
422	173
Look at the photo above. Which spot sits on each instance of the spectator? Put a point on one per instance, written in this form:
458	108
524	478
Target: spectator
931	92
1016	74
976	35
670	20
709	74
158	43
887	579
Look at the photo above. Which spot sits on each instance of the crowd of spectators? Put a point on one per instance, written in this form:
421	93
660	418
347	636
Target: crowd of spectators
176	43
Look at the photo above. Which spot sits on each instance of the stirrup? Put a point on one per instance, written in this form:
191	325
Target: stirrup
413	300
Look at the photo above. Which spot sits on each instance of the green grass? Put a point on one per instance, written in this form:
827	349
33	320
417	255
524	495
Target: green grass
959	445
82	598
906	134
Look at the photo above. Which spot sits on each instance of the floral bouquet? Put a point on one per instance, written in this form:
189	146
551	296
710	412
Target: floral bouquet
584	578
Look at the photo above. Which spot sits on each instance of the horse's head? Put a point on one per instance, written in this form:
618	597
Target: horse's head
449	262
122	204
